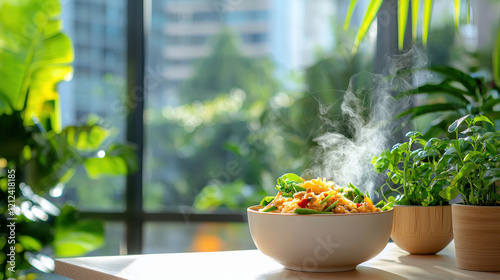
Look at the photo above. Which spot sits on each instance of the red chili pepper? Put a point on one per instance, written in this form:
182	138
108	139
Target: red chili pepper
303	203
359	204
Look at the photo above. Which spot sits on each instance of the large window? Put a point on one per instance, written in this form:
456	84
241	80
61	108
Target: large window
220	98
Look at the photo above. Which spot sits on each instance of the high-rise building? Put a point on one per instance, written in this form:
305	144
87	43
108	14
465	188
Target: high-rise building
98	31
182	32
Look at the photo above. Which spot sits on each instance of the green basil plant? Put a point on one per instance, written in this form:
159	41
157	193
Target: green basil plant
415	171
475	162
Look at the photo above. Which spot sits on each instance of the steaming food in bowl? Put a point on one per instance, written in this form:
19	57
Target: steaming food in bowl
315	225
318	196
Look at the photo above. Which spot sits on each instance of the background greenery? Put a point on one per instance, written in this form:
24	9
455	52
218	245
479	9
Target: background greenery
34	56
235	131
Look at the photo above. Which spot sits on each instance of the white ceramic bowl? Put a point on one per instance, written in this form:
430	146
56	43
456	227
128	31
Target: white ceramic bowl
320	243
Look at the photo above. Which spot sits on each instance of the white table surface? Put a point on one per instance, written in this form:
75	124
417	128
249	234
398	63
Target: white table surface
392	263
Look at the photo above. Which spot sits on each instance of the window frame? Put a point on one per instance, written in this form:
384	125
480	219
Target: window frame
134	217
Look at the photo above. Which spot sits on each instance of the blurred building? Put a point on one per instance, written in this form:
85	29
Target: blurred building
182	32
97	29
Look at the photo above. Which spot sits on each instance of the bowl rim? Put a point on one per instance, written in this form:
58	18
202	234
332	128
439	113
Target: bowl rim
252	209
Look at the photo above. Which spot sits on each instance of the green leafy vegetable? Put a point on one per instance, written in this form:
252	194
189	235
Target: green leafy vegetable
379	204
288	184
266	200
272	208
388	206
326	199
332	206
309	211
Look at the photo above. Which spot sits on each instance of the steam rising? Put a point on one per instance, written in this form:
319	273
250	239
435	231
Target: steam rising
348	159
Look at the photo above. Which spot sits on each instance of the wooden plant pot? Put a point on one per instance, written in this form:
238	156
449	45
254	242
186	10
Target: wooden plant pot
422	230
477	237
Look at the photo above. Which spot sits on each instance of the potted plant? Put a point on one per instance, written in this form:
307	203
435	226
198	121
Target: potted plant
422	218
475	173
36	153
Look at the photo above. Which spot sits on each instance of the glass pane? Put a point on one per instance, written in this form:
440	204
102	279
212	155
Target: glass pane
96	93
114	240
175	237
222	78
469	49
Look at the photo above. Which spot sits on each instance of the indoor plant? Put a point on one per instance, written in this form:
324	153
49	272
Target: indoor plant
422	218
36	154
475	172
466	93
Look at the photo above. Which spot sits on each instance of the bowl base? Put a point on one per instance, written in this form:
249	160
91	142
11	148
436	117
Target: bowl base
321	269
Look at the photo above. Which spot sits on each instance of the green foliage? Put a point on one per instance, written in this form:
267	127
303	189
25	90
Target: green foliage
427	20
34	57
254	127
230	195
41	224
370	15
496	59
288	184
76	237
403	5
227	68
475	162
416	168
467	94
118	159
266	200
226	131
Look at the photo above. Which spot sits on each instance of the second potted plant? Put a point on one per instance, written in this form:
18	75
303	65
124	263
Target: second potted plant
475	172
422	218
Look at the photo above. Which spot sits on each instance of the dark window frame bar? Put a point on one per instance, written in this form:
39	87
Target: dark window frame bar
169	216
135	124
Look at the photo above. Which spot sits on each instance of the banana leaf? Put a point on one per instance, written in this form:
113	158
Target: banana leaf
432	108
34	56
438	89
456	75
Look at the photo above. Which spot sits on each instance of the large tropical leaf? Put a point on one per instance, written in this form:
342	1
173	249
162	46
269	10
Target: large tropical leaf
370	15
438	89
496	59
432	108
456	75
374	7
415	5
457	13
74	236
426	20
34	57
403	6
352	5
117	160
85	137
492	102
